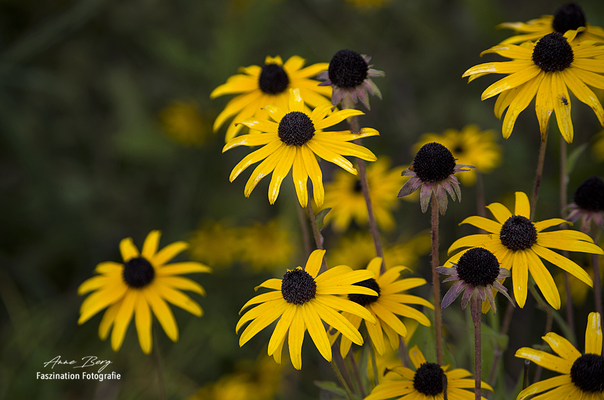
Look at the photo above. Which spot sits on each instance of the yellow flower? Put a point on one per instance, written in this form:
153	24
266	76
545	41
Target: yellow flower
292	141
519	245
301	301
582	375
345	197
386	307
426	382
143	283
268	85
568	17
182	122
215	243
469	146
545	71
256	239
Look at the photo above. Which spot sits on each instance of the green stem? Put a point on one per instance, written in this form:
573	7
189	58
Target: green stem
160	373
538	176
435	281
476	310
340	377
357	375
505	327
304	228
596	269
373	363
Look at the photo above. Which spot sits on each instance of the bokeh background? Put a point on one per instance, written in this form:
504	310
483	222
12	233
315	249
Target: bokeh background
106	133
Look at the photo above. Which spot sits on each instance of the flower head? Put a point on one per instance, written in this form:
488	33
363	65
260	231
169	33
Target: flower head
143	283
344	196
520	244
544	70
477	273
349	74
432	171
582	375
428	382
469	146
291	140
266	85
386	306
569	16
302	300
588	204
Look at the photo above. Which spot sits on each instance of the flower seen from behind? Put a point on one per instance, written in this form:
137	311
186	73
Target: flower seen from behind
428	382
433	172
138	287
349	74
261	86
344	196
386	307
545	71
520	244
569	16
469	146
302	301
477	273
292	140
582	376
588	204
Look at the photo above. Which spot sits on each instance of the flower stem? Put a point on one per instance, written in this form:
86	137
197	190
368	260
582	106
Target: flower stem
538	175
373	228
340	377
435	281
570	318
357	375
505	327
476	310
596	269
160	372
402	348
374	364
548	321
480	195
303	228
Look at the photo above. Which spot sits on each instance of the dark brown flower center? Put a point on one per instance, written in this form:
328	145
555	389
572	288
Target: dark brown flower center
298	287
433	163
273	79
590	194
568	17
429	379
347	69
552	53
587	373
296	128
365	299
518	233
138	272
478	267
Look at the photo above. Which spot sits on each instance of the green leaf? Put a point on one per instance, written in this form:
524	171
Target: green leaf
320	218
331	387
573	157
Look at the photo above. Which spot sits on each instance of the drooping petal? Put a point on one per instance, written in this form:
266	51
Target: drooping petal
162	312
569	266
295	338
187	267
545	360
562	347
143	323
122	319
561	107
280	172
593	334
543	279
316	330
544	385
520	277
280	332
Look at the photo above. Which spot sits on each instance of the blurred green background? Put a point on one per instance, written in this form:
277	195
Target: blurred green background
87	158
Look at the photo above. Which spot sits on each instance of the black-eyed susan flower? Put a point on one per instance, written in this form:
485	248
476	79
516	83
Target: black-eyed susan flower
520	244
582	376
301	301
428	382
182	122
261	86
138	287
588	203
349	74
569	16
386	307
344	196
544	70
215	243
477	273
291	141
254	240
433	172
469	146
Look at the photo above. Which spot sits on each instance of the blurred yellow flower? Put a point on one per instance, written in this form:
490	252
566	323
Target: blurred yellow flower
469	146
182	122
367	4
215	243
255	241
345	197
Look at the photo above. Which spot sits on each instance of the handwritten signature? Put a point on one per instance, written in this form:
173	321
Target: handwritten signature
85	362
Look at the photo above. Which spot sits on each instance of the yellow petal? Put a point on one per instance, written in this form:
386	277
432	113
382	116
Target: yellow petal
523	98
377	336
162	312
128	249
337	321
300	178
143	323
545	360
101	299
548	223
338	303
593	334
179	299
583	93
544	105
168	253
255	139
295	338
94	283
296	103
523	207
569	266
150	245
278	336
313	264
255	157
316	330
315	174
263	169
416	357
511	81
109	268
183	283
274	311
483	223
543	279
480	240
122	319
544	385
562	347
293	63
336	118
520	277
329	155
561	107
188	267
568	240
500	212
108	319
280	172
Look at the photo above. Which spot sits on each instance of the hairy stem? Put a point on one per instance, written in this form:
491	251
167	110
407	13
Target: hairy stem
596	269
304	229
338	372
538	176
160	371
476	310
505	327
435	281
